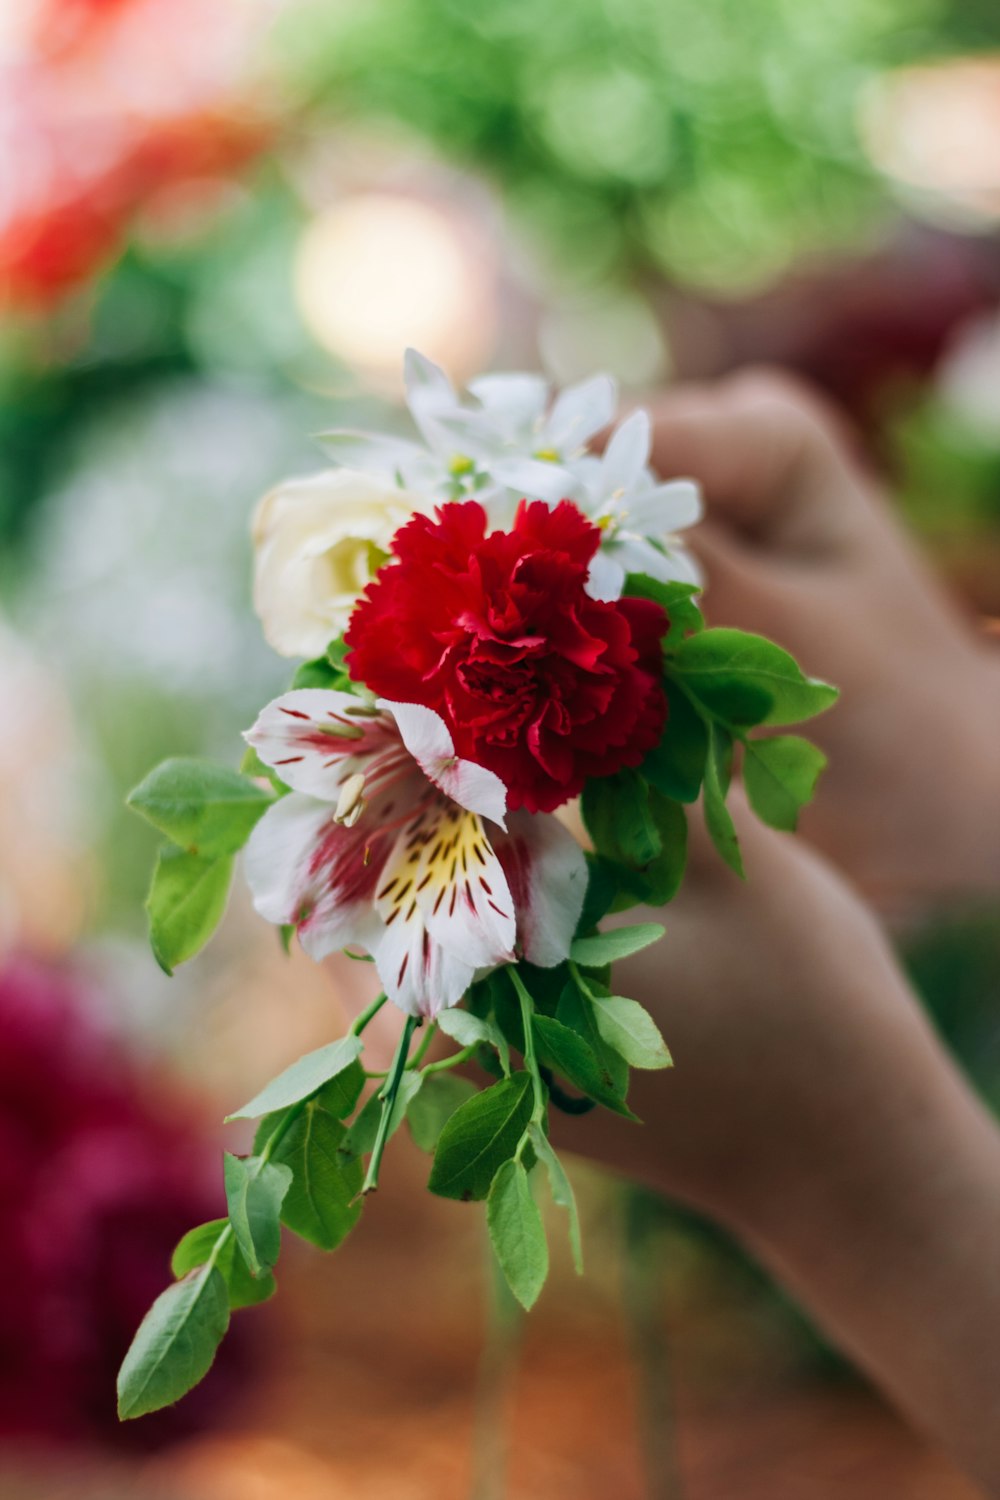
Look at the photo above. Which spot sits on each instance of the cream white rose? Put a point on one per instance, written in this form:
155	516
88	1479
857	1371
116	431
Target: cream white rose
318	541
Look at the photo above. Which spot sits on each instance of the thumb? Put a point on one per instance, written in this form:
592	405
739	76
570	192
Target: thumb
745	587
771	461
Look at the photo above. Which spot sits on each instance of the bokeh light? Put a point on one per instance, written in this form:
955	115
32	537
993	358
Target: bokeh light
935	130
378	272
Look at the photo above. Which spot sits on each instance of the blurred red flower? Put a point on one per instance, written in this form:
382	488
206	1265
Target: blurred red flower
104	106
536	680
97	1187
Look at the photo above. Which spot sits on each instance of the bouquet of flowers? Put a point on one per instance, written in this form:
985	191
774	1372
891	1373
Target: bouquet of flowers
494	621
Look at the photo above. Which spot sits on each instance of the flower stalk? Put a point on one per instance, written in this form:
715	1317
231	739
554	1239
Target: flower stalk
388	1094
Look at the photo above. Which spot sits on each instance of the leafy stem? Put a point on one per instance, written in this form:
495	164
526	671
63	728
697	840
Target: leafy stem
263	1157
453	1060
581	983
530	1056
388	1094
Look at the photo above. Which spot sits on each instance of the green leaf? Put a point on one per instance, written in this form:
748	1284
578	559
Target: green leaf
201	807
720	750
568	1054
252	765
341	1094
676	765
302	1078
561	1189
360	1138
576	1010
603	882
433	1106
175	1343
338	651
607	947
631	1031
254	1193
745	679
641	841
780	776
617	817
479	1137
196	1248
320	673
466	1029
676	598
660	880
517	1232
186	900
328	671
720	825
322	1203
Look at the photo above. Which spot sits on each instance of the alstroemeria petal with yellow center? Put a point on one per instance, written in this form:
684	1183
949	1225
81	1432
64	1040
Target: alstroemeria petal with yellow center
446	906
406	870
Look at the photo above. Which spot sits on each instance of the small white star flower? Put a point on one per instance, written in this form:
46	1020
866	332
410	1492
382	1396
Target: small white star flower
503	442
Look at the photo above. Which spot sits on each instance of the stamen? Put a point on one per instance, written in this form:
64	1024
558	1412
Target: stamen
351	802
341	730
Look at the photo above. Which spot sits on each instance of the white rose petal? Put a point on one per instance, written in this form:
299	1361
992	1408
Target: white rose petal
318	542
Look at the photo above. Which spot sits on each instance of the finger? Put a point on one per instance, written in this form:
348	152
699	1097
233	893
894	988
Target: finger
745	587
771	460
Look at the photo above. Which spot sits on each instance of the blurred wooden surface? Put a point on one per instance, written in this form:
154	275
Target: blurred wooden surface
373	1376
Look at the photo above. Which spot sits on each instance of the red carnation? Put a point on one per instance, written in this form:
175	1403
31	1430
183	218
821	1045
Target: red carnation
536	681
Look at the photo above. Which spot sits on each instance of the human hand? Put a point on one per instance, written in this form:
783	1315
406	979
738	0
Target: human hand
800	546
813	1111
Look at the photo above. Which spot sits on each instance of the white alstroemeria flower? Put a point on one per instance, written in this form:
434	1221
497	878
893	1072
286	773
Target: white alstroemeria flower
638	515
318	542
388	841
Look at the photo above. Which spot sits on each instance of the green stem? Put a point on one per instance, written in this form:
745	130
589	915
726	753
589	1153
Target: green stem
388	1096
530	1058
367	1015
454	1061
580	982
421	1051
